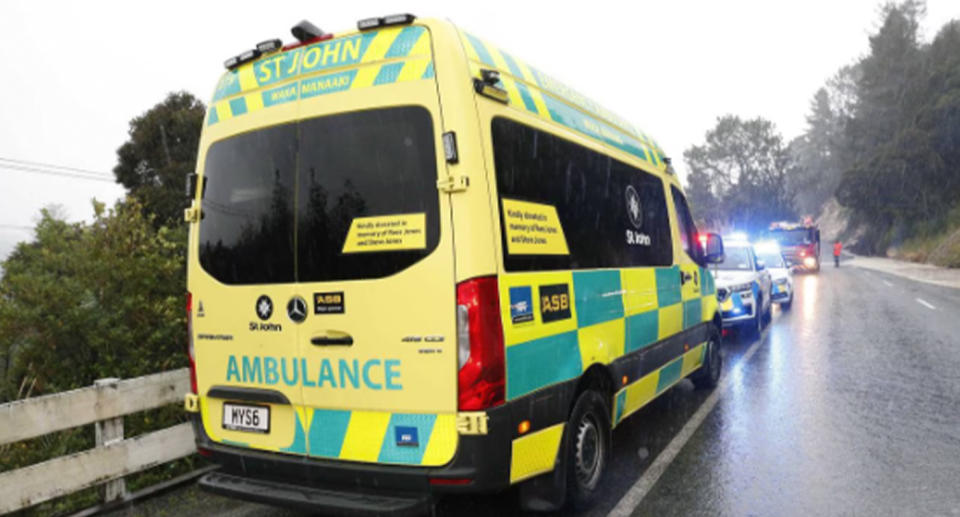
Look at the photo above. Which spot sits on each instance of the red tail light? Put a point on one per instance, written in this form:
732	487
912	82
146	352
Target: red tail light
479	344
190	353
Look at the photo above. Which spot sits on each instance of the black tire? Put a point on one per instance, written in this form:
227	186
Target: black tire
754	327
588	448
785	306
708	376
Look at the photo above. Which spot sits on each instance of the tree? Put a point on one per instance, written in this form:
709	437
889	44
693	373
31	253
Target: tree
902	173
85	301
822	152
161	151
740	175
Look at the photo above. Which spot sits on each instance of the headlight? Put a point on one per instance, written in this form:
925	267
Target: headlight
781	281
809	262
722	293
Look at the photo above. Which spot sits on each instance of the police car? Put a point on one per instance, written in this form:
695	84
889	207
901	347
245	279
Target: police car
743	286
771	255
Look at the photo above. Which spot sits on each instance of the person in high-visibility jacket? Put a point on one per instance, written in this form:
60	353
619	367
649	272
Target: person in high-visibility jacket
837	248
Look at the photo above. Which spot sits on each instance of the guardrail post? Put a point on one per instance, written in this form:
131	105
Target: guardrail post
108	432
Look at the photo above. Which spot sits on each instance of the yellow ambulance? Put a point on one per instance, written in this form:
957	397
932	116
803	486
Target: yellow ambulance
420	266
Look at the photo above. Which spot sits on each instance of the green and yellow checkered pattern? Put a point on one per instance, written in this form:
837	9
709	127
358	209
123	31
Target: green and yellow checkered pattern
612	313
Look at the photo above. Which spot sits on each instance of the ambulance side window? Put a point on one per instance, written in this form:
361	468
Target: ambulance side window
611	214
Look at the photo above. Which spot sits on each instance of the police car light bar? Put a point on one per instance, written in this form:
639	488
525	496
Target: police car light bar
767	247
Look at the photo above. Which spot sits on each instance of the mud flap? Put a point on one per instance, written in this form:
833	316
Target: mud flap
547	492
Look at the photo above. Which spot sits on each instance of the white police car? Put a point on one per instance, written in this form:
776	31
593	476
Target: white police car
743	287
772	257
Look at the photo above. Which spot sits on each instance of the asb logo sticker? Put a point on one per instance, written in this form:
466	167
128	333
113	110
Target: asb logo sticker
554	302
521	304
328	303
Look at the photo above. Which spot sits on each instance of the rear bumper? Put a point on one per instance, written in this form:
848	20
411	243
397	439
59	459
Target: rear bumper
484	460
313	499
481	465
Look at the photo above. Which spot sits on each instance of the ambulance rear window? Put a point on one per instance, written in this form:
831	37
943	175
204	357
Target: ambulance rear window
322	199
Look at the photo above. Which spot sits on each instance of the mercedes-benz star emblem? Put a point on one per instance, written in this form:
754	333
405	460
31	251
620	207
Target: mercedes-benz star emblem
297	309
264	307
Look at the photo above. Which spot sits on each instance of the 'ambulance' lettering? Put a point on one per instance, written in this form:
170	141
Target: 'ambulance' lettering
373	374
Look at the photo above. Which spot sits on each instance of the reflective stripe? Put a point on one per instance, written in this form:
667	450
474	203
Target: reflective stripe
535	453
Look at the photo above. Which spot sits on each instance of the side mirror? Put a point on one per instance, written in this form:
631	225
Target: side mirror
713	249
761	265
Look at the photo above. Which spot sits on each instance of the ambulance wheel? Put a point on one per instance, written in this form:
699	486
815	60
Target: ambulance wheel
708	376
588	448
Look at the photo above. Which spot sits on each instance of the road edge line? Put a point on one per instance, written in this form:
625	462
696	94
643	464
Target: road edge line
635	495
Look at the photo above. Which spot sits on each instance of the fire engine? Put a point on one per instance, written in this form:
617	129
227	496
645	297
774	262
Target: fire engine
799	242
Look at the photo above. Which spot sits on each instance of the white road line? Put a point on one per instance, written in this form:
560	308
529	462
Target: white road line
634	496
889	284
926	304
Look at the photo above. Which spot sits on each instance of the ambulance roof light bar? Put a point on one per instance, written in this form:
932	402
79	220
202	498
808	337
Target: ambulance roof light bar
269	46
386	21
242	58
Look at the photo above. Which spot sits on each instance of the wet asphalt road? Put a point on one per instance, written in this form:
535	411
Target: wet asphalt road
850	405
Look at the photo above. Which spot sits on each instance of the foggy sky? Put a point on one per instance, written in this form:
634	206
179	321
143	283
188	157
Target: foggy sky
75	73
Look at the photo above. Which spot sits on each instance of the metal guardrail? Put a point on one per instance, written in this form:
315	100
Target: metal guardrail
104	404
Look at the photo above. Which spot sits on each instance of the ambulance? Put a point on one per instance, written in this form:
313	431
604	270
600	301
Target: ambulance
420	266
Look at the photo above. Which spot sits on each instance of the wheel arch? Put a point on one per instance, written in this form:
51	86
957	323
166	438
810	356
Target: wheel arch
597	377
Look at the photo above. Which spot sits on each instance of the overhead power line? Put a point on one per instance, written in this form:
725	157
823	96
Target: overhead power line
52	166
15	227
38	170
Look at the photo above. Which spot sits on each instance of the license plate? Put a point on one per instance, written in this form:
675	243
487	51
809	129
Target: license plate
727	305
243	417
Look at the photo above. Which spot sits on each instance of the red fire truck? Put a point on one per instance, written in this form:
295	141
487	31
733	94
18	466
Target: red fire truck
799	243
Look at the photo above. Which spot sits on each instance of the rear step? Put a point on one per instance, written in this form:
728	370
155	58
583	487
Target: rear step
312	499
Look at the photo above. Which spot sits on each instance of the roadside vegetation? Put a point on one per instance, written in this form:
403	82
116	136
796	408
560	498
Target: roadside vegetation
882	139
84	301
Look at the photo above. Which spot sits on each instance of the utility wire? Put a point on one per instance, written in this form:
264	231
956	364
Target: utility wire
37	170
51	166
